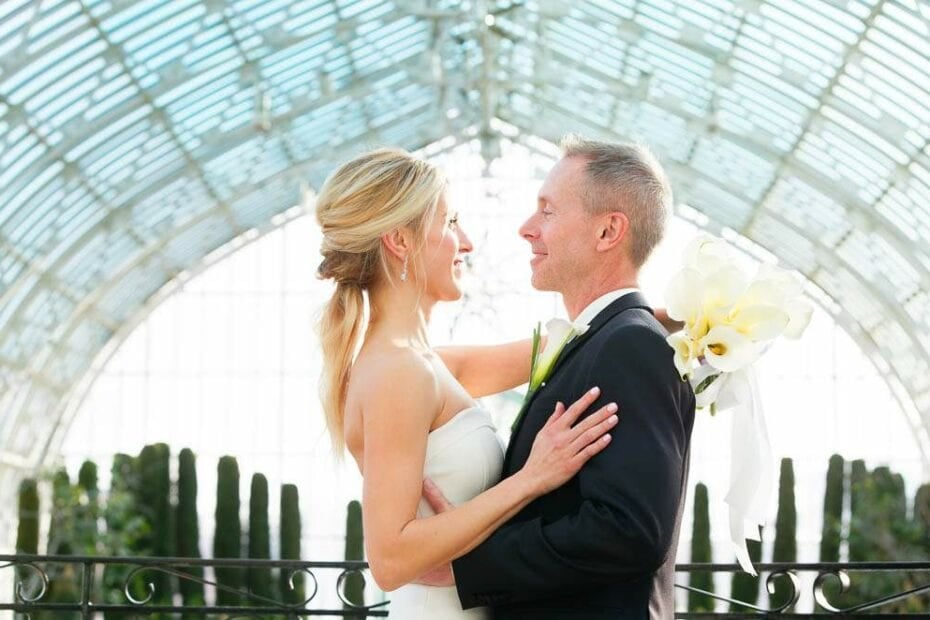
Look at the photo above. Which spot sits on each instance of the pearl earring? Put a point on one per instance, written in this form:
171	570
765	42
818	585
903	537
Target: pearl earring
403	274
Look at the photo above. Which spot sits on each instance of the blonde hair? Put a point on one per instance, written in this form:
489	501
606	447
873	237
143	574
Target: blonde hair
625	177
363	199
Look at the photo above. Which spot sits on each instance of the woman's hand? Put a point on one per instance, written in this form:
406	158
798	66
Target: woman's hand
562	447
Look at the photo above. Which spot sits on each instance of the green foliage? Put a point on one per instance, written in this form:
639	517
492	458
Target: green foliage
880	531
259	535
354	550
227	539
922	518
290	545
87	478
701	552
785	547
832	530
154	501
63	578
188	528
126	531
27	534
86	510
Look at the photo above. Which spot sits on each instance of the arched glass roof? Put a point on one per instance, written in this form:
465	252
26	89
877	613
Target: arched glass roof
137	137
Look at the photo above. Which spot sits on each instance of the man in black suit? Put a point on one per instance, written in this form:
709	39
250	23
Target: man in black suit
604	544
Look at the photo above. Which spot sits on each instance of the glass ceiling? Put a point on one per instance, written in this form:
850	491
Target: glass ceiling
138	137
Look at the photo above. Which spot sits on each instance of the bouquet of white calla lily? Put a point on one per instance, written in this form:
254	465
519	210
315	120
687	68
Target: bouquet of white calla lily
730	320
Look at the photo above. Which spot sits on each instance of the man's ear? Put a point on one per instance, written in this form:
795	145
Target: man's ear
612	230
397	243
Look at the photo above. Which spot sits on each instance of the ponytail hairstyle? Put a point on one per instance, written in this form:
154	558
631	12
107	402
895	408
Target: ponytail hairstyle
362	200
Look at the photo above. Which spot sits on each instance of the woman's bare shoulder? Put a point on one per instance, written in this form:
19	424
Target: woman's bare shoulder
393	375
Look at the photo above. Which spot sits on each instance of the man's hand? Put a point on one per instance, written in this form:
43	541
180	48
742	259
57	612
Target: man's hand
434	497
441	575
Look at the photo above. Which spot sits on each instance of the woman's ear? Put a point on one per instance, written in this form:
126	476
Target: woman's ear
612	230
396	242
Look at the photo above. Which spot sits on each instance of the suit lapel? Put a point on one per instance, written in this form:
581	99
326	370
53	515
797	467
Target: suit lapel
627	302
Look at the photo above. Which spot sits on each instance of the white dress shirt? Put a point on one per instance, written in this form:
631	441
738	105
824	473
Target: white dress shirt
594	308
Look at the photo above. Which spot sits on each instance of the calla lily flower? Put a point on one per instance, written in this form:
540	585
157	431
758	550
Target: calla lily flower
726	349
558	333
685	353
707	254
723	288
759	323
684	295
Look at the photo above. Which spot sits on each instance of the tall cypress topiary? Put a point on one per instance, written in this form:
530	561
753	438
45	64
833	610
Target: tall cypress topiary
701	552
831	532
27	534
188	528
858	502
63	578
290	544
87	511
888	531
155	499
227	539
59	534
87	478
922	517
259	544
861	528
785	548
354	551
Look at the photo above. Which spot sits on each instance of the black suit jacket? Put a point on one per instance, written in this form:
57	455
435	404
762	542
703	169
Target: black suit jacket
603	545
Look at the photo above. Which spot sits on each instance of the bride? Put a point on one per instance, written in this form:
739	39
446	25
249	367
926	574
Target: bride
406	411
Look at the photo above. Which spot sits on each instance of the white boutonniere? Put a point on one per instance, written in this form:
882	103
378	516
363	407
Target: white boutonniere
559	333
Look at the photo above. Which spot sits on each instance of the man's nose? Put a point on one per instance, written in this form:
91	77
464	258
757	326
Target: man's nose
528	229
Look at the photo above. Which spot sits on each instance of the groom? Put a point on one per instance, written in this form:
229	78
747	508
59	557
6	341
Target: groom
604	544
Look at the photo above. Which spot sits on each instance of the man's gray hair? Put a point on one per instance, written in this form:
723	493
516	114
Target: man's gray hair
628	178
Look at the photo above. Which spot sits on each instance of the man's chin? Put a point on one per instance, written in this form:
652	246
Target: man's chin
540	284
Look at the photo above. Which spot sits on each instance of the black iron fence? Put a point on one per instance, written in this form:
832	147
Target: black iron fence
93	591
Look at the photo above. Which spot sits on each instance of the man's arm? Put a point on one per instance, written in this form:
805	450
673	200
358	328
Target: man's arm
631	491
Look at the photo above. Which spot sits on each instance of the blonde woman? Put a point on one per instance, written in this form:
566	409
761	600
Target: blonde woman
406	411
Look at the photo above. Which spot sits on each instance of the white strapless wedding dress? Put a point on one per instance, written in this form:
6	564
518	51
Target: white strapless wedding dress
463	457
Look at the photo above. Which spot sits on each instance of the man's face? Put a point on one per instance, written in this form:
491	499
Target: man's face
560	232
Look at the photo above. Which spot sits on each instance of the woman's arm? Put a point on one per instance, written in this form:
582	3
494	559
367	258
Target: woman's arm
397	421
484	370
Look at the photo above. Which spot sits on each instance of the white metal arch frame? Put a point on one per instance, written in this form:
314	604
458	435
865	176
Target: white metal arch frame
137	137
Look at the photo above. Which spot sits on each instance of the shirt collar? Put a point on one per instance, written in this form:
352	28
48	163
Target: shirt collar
595	307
